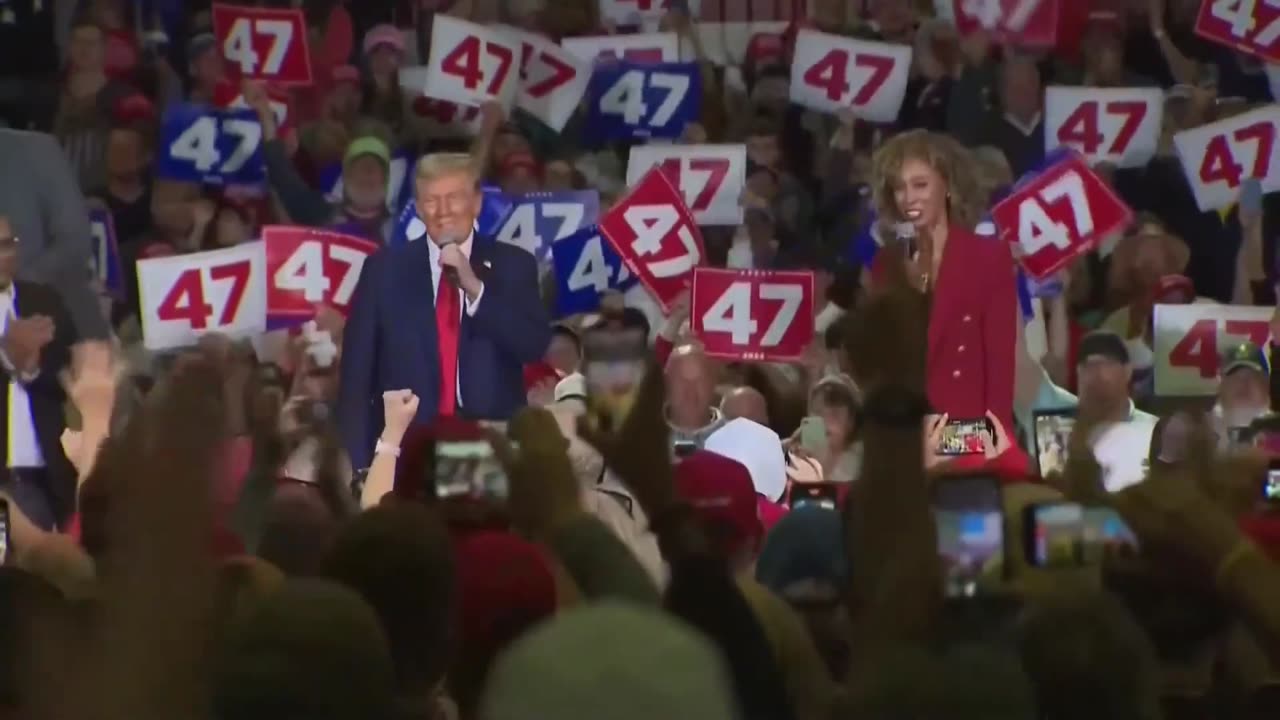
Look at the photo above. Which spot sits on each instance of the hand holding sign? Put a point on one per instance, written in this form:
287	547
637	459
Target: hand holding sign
470	63
833	73
1057	214
710	177
307	267
656	236
753	315
184	297
630	101
264	43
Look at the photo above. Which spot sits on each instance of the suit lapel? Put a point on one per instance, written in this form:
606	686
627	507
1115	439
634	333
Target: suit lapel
417	272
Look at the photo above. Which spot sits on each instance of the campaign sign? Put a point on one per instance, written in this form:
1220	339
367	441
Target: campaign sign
643	48
1219	156
586	267
1250	26
645	12
1188	342
654	233
1120	126
552	79
264	43
183	297
211	147
1059	213
493	213
104	258
399	181
831	73
710	177
753	315
307	267
1017	23
636	102
538	220
471	64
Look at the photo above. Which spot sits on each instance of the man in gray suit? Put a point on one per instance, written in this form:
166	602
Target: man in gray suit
44	204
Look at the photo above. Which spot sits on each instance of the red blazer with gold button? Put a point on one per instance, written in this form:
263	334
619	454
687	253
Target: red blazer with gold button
973	329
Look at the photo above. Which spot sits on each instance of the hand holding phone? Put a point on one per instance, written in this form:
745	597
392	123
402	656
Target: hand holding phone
965	437
466	465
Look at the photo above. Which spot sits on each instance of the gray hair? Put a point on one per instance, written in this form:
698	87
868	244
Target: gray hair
438	165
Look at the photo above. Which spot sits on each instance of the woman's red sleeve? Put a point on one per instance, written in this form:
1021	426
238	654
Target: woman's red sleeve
1000	333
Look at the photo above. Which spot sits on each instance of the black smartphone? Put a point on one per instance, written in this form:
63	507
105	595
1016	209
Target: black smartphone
684	448
969	517
466	465
614	358
1054	534
4	532
1052	438
822	494
964	437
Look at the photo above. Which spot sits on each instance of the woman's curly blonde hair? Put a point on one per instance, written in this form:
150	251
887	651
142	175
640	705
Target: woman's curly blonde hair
959	168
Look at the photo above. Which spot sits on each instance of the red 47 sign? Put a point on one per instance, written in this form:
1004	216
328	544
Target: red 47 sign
264	43
1188	342
752	314
655	235
183	297
1011	22
1219	156
471	64
306	267
1250	26
831	73
1058	214
1120	126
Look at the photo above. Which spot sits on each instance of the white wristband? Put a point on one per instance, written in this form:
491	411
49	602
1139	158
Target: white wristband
384	447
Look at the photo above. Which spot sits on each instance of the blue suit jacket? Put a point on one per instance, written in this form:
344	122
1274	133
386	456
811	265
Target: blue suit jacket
390	339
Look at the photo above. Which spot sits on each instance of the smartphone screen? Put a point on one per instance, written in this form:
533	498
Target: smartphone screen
1055	534
963	437
469	469
970	525
813	435
684	448
613	362
1271	485
823	494
4	532
1105	533
1052	438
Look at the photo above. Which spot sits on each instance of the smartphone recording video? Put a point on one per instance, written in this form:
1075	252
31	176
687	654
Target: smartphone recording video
1052	438
1055	535
964	437
822	494
614	358
1271	485
1106	534
970	525
467	467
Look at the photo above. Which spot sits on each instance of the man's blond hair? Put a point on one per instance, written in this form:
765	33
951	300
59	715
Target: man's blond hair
438	165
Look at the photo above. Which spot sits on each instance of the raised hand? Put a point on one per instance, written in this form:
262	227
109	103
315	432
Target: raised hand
399	407
95	375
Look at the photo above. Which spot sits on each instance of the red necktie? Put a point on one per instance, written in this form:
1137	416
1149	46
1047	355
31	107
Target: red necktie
448	321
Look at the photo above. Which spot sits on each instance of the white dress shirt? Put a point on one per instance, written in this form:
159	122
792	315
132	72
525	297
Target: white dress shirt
24	448
469	306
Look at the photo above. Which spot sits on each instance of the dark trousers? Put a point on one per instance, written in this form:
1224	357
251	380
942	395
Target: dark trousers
29	488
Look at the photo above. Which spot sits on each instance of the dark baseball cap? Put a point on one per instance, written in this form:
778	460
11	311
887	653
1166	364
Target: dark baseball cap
1245	355
1103	343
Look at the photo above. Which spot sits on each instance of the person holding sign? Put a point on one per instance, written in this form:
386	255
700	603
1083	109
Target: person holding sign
453	318
926	192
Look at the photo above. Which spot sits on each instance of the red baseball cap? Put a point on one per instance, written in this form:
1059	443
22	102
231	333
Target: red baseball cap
720	490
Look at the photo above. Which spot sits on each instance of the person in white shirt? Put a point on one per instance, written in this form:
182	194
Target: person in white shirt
36	335
1122	439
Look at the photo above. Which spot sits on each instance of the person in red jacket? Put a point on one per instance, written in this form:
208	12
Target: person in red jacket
927	195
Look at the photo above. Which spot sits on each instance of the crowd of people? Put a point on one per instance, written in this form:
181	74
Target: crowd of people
971	496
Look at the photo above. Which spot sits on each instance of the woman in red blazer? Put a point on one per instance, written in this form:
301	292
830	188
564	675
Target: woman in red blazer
927	182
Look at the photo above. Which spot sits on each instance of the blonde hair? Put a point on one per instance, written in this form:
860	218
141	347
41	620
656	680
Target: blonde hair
966	195
438	165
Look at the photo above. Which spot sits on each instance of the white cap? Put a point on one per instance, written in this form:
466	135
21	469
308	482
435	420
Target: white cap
756	447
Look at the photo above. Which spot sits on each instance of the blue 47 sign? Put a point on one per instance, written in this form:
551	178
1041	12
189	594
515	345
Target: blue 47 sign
586	266
631	101
212	147
538	220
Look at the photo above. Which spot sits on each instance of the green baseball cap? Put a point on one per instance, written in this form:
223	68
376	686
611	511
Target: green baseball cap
367	145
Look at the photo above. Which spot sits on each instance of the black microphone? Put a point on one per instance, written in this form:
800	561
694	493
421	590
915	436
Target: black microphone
905	234
450	273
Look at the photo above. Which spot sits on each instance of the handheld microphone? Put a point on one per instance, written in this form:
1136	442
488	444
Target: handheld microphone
450	273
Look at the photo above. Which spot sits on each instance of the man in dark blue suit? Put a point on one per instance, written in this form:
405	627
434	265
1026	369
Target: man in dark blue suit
452	316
